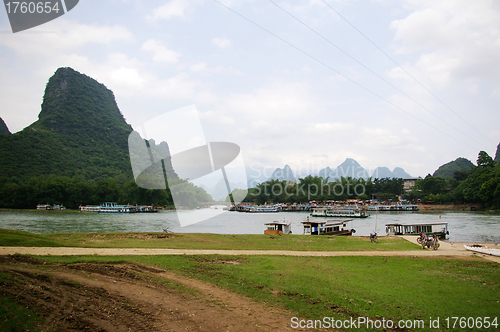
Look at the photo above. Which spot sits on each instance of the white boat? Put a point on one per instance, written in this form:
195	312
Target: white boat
278	228
346	211
483	250
90	208
389	207
329	227
439	229
50	207
112	207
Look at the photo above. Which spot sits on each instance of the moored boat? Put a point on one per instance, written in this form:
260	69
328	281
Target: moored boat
278	228
113	207
391	207
262	209
329	227
346	211
483	250
439	229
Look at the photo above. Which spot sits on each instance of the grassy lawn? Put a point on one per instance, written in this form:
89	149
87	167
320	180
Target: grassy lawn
202	241
395	288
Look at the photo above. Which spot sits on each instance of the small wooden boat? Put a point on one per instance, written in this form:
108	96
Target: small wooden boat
483	250
278	228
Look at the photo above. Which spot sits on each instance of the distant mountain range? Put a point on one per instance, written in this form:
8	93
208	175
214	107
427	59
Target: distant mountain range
284	174
349	168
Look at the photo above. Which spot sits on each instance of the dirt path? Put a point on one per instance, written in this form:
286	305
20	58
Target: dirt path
447	249
125	297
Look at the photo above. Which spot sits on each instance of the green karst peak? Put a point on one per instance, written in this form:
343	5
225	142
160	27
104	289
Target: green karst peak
80	131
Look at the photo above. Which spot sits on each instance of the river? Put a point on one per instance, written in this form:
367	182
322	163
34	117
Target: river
464	226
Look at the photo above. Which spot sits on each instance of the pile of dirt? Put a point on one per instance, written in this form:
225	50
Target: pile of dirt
128	297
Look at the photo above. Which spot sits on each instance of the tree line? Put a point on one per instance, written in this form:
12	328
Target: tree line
316	188
73	192
480	185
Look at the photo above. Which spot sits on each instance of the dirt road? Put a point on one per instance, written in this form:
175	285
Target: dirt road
127	297
448	249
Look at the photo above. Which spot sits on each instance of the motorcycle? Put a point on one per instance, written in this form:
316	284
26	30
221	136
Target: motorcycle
429	241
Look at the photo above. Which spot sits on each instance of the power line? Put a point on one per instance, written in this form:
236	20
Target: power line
340	74
401	67
374	73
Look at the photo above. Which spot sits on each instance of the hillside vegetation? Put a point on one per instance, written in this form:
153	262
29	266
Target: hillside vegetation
76	152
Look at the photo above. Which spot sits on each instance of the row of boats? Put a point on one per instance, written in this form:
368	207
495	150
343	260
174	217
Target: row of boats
341	211
342	227
113	207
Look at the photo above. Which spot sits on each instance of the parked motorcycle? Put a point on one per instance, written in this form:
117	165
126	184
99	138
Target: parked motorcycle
429	241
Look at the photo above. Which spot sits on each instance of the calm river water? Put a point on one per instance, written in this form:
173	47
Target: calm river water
463	226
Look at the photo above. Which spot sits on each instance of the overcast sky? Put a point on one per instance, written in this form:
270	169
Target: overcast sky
413	84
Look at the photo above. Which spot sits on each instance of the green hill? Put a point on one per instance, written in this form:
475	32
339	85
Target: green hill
458	165
79	131
77	152
3	127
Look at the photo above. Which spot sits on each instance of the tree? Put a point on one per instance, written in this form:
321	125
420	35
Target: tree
484	160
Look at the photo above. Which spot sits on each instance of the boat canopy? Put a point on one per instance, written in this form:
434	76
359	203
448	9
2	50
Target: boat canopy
415	229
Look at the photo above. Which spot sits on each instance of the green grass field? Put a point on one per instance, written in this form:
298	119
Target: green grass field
395	288
202	241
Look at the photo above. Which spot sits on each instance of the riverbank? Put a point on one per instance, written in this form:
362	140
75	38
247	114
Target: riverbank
450	207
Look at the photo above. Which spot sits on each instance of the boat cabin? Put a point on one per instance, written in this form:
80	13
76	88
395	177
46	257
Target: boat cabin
439	228
278	228
329	227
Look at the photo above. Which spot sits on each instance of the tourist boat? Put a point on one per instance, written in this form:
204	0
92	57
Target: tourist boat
50	207
329	227
44	207
346	211
146	209
389	207
90	208
112	207
483	250
278	228
260	209
439	229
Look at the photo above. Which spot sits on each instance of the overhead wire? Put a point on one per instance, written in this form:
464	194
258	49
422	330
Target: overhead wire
340	74
371	71
408	73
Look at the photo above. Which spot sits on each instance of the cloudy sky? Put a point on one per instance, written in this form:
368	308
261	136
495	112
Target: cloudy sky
413	84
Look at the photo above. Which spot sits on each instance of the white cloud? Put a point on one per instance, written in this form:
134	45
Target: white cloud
277	102
64	36
221	42
198	67
496	93
161	53
454	40
169	10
